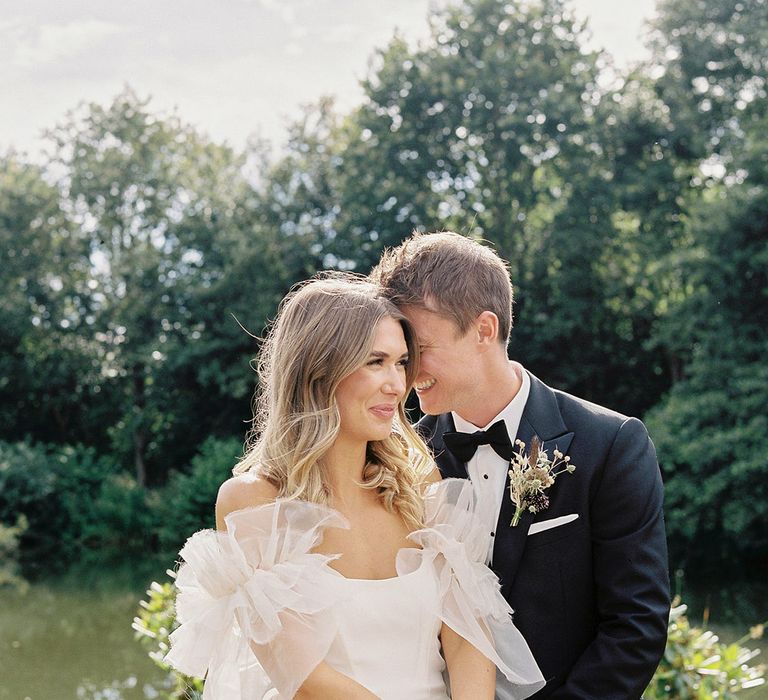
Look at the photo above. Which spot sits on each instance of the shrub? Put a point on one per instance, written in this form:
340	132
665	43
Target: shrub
9	546
698	666
81	507
709	438
120	521
55	488
153	625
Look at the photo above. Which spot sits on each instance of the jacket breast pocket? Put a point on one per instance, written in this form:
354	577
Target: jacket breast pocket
575	528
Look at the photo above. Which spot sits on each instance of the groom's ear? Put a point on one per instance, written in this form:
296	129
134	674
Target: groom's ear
487	329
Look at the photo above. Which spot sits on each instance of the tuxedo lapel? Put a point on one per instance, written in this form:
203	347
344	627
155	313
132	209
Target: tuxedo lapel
510	541
541	418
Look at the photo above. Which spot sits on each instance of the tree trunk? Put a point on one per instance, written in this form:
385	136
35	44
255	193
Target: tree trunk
139	430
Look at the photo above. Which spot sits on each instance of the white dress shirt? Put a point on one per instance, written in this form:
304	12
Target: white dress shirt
487	471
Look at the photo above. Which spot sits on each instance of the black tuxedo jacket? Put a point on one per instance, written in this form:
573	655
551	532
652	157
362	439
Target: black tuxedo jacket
591	597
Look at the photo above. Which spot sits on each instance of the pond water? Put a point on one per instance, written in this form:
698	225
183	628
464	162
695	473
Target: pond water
72	638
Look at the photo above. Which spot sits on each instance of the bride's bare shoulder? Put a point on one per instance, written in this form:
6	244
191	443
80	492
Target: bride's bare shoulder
242	491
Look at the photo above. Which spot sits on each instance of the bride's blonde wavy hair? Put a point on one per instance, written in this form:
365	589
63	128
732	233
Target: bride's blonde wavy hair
323	332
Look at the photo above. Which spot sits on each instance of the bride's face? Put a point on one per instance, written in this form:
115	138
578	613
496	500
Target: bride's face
368	398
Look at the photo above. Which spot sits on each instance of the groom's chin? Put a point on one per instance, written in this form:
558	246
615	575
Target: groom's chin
428	410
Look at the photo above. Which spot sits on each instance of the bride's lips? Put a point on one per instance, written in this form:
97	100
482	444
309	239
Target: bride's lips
384	410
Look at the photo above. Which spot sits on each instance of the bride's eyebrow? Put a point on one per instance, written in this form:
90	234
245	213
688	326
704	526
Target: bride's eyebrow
380	354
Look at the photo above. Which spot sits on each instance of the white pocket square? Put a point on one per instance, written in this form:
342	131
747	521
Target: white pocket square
554	522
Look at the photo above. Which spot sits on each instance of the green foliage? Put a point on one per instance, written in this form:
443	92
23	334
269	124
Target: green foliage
710	426
46	374
9	551
76	504
185	504
475	128
121	521
698	666
80	506
46	485
153	625
712	57
708	434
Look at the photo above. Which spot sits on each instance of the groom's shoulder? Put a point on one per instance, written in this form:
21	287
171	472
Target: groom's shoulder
588	413
428	427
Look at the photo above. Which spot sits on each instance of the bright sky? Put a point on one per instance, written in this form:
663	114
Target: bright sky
231	68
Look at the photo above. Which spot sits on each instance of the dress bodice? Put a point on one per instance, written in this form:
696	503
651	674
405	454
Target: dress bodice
393	621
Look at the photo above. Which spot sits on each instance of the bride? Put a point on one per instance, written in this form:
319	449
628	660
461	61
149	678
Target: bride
341	566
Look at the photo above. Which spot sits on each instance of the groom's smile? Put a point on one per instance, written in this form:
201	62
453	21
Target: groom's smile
421	387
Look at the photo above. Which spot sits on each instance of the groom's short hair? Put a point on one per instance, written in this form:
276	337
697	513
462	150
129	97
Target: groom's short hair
452	275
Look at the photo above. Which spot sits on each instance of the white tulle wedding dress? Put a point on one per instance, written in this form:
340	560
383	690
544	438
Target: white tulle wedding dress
259	610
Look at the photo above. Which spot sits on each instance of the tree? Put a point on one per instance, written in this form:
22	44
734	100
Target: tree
146	197
711	57
46	370
710	427
473	129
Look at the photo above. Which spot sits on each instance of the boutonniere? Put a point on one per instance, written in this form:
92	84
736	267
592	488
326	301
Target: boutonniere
531	474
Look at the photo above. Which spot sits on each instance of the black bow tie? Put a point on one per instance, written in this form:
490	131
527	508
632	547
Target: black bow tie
464	445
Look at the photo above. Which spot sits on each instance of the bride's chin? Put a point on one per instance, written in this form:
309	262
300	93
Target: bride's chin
381	433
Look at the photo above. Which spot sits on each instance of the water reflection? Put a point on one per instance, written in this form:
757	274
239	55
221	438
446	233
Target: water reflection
73	639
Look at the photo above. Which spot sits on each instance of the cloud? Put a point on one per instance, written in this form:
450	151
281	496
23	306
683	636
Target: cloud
288	13
53	42
342	33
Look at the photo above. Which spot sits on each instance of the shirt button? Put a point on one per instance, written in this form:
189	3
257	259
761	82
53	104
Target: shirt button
493	534
485	476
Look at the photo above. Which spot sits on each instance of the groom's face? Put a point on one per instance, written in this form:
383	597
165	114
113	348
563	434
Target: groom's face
448	361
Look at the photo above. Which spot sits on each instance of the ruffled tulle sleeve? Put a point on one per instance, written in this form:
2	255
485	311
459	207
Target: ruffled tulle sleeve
470	599
254	603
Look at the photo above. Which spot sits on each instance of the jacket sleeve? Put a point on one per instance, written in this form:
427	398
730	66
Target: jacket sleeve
630	573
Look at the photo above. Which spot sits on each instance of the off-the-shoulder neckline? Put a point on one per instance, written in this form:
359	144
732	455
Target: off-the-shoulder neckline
283	501
380	580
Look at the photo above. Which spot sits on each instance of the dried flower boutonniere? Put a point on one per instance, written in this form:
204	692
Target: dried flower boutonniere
531	474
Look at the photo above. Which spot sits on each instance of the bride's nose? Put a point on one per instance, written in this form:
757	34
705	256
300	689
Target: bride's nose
394	383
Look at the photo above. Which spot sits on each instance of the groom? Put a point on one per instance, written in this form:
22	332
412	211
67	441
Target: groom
587	574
